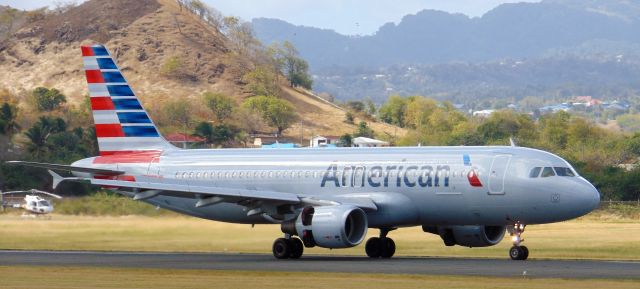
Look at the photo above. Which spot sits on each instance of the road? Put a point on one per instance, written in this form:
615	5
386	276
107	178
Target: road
316	263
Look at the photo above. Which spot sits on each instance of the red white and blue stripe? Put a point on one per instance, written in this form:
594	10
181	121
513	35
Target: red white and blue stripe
122	125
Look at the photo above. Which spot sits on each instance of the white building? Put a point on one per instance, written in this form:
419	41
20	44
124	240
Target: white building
483	113
323	141
368	142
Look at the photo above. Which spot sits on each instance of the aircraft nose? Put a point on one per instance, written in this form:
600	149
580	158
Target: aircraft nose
589	195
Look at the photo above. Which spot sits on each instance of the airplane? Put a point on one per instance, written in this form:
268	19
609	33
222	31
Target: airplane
32	202
468	195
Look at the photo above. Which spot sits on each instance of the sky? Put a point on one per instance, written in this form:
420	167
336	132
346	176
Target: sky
350	17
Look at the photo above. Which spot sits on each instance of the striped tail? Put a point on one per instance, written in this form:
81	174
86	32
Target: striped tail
123	127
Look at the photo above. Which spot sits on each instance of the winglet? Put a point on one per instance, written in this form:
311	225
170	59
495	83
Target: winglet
512	142
57	179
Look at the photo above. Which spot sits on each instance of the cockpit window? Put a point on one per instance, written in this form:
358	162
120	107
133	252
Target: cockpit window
535	172
43	203
547	172
564	172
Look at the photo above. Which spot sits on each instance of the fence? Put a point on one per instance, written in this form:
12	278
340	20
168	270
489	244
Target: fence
608	203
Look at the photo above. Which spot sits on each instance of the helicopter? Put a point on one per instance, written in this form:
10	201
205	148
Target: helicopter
32	202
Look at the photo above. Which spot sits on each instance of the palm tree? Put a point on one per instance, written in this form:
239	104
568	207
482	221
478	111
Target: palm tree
8	124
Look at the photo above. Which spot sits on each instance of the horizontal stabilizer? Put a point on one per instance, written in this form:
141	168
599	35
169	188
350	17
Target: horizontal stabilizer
67	168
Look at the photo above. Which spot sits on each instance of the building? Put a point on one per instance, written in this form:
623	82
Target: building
368	142
323	141
483	113
280	146
183	140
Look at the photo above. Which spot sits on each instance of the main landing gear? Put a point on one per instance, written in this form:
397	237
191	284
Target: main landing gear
518	252
381	247
288	248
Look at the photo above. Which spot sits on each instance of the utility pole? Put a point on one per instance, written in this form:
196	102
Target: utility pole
301	132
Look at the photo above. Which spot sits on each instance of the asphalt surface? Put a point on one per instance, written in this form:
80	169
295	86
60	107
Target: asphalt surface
343	264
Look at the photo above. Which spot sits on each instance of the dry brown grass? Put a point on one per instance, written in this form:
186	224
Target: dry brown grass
579	239
65	277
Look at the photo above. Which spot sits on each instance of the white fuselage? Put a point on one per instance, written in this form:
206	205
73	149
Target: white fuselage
410	186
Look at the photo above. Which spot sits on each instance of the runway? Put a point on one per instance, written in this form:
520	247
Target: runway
341	264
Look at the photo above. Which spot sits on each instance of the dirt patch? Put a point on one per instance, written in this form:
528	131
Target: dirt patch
97	20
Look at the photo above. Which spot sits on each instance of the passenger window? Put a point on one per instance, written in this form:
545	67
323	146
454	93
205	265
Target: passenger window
547	172
564	172
535	172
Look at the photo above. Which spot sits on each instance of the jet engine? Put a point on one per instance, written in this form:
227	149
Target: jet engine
468	236
340	226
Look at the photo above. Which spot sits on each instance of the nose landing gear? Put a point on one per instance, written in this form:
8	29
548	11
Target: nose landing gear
518	252
381	247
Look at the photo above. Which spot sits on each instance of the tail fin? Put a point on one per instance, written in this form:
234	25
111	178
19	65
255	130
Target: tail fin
122	125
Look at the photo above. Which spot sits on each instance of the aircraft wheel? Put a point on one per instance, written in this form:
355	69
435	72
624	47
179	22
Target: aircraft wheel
281	248
373	247
388	248
297	248
526	252
519	253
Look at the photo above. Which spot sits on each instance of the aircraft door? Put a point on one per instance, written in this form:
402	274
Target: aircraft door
499	167
154	170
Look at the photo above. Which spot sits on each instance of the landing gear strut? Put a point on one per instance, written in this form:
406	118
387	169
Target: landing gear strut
518	252
285	248
381	247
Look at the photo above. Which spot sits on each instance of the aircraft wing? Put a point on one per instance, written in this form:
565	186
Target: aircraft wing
67	168
150	189
147	188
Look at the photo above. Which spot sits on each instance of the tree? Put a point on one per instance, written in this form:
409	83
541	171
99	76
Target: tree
357	106
8	18
348	117
276	112
179	112
554	129
40	132
370	106
240	35
417	112
393	111
175	67
364	130
8	123
48	99
346	140
205	130
217	135
262	81
221	105
296	68
199	7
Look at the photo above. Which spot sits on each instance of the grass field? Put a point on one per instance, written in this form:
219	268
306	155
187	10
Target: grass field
613	234
74	277
601	236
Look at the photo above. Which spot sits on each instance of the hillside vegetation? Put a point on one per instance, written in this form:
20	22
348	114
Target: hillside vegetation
166	51
195	70
551	49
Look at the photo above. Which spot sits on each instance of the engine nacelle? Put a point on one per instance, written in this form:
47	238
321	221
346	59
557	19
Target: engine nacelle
340	226
468	236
